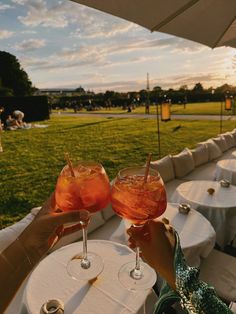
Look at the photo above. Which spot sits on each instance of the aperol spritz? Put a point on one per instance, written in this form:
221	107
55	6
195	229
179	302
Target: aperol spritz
138	199
84	186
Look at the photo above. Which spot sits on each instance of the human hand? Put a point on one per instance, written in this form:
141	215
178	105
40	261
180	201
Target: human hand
156	240
48	227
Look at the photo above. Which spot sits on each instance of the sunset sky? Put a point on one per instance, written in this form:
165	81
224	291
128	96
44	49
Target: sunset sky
61	44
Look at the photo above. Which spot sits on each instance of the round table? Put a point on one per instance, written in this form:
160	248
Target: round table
226	169
218	208
195	244
106	295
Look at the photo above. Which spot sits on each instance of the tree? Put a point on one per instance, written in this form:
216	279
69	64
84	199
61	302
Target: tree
13	77
183	88
80	89
198	88
157	89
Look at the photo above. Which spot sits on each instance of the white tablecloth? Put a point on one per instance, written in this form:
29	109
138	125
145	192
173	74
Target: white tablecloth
226	169
218	208
106	295
197	237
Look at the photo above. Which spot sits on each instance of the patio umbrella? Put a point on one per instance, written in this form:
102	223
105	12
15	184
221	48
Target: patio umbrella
209	22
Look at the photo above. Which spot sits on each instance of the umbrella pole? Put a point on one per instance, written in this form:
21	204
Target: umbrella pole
221	115
158	132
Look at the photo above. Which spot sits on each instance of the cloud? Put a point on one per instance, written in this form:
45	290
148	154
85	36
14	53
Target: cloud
33	61
40	14
175	81
20	2
104	29
30	45
29	32
4	7
5	34
101	55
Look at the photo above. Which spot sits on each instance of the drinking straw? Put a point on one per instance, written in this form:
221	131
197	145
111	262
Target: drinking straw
67	158
147	167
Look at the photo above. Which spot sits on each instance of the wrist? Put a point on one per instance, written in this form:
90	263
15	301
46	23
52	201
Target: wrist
28	245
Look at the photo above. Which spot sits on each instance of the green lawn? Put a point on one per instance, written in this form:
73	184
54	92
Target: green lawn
208	108
32	159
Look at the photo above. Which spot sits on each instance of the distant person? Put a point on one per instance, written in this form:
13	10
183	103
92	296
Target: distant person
185	102
19	116
129	108
147	111
1	110
11	123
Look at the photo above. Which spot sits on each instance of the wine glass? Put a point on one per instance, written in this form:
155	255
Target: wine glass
138	197
84	186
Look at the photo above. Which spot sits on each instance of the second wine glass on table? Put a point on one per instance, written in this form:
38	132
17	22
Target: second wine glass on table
138	195
84	186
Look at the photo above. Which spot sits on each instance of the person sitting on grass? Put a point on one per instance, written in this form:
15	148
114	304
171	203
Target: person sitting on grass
19	116
11	123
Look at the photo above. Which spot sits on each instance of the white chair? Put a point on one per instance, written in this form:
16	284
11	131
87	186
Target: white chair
219	270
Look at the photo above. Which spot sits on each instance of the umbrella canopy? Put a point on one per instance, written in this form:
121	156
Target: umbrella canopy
209	22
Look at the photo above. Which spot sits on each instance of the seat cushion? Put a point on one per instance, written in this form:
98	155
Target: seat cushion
183	163
233	133
165	167
203	172
218	270
9	234
213	149
229	138
200	155
107	212
221	142
171	186
226	155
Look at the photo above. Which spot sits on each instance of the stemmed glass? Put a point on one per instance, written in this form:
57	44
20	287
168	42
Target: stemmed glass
138	196
84	186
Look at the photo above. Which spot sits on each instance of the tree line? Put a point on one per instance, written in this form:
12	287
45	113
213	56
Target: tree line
14	81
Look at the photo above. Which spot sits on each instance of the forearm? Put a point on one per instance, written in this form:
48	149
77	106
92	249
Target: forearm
194	295
15	264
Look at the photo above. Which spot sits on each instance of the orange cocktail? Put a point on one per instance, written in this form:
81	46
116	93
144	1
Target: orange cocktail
88	189
137	201
84	186
138	194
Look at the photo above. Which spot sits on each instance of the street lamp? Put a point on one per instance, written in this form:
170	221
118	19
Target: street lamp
165	111
228	103
165	116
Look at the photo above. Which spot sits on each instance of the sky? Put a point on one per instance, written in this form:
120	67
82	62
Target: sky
61	44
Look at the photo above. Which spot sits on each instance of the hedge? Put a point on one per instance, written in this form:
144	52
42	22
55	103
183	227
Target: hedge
35	108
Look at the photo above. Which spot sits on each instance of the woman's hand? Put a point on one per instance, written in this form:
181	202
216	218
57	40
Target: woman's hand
48	227
157	242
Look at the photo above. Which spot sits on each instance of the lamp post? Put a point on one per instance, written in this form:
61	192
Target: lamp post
165	116
165	110
158	131
228	102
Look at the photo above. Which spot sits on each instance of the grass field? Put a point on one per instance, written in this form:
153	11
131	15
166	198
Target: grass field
207	108
32	159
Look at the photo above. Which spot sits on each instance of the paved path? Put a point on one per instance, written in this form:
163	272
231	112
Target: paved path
145	116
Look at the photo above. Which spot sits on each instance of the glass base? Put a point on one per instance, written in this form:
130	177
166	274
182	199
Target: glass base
146	281
89	270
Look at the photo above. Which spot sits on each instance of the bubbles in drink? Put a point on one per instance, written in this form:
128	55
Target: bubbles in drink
88	189
138	201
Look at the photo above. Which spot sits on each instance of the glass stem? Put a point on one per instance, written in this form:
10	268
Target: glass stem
85	263
136	273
